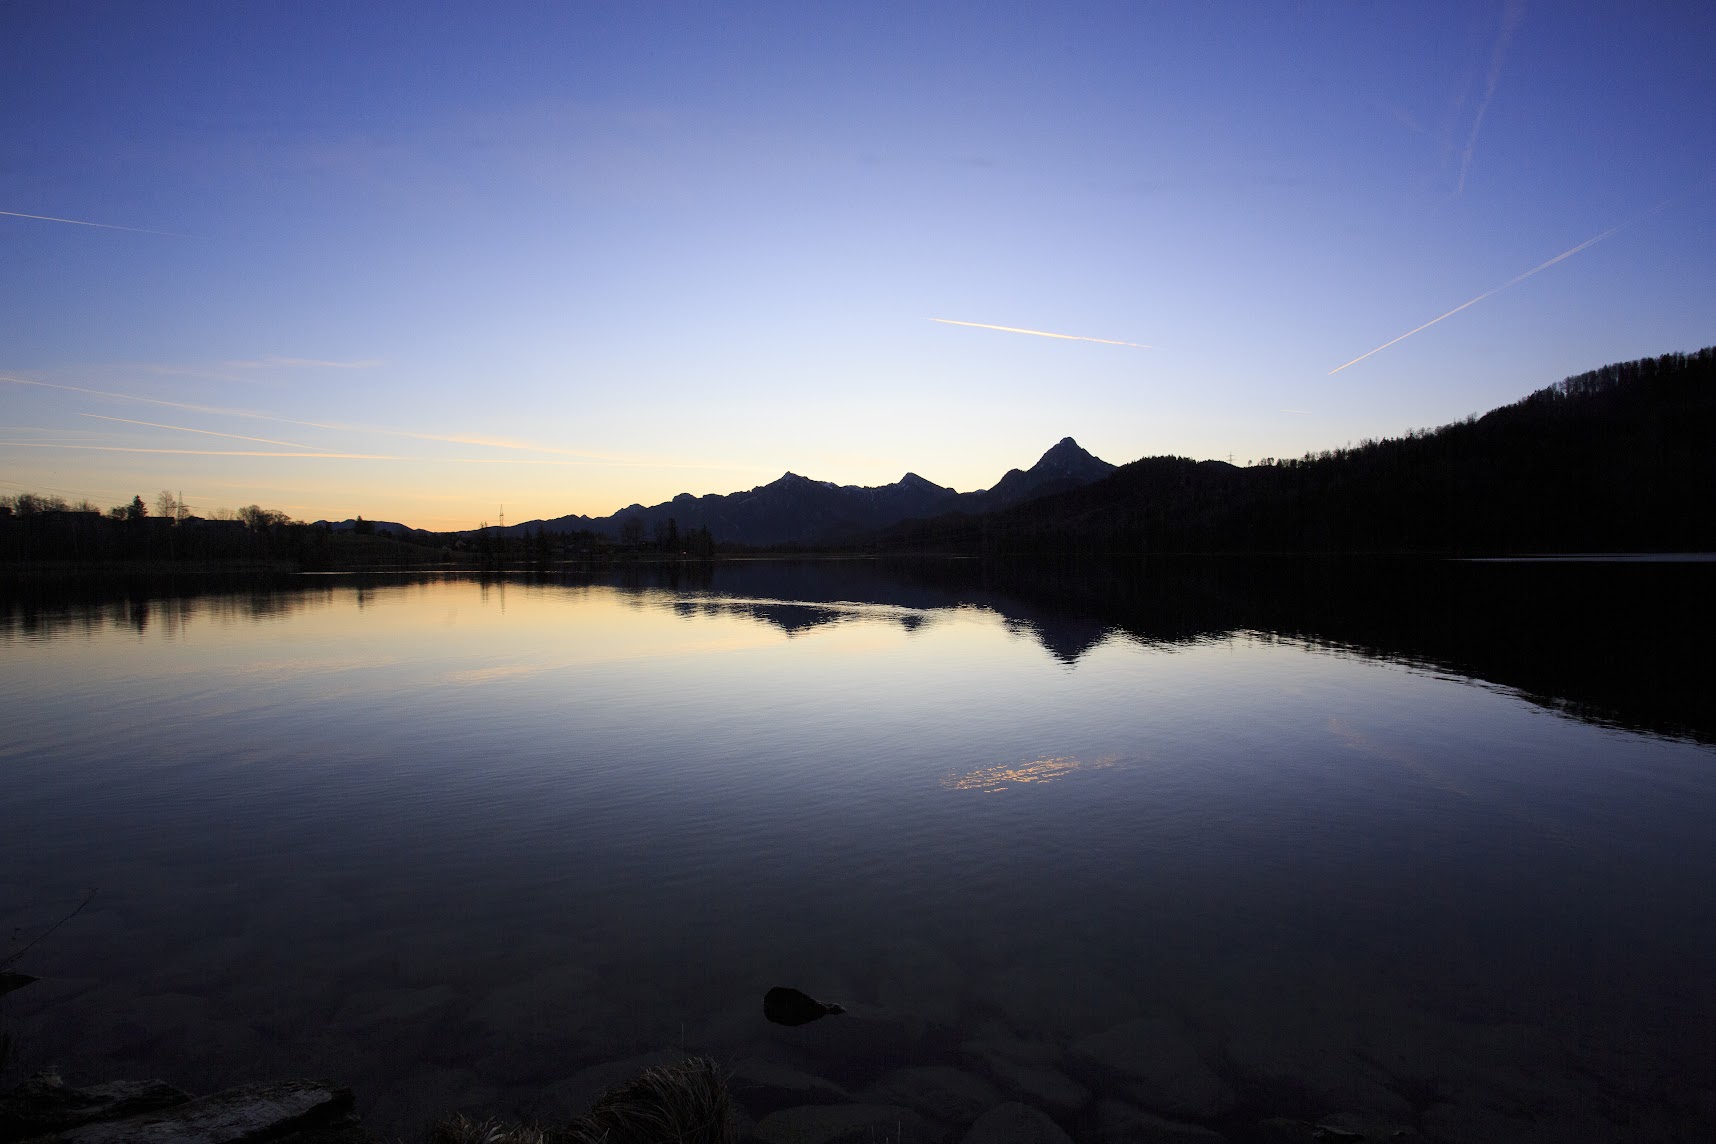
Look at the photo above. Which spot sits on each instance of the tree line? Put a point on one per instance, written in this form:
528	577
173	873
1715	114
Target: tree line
37	527
539	548
1617	459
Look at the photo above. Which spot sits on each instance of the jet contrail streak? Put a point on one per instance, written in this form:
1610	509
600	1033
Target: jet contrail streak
102	225
188	429
1696	189
1041	333
1511	16
1589	242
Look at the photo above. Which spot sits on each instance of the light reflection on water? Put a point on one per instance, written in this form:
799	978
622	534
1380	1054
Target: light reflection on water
993	780
450	842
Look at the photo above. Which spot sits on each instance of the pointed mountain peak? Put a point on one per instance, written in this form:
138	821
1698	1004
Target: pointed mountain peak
1066	447
1068	457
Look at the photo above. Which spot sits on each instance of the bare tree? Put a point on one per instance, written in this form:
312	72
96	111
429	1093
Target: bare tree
170	506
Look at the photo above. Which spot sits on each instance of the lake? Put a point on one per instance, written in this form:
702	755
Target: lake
1420	846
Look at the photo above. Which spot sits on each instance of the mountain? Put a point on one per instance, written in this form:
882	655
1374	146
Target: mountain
800	511
379	527
1615	460
1066	466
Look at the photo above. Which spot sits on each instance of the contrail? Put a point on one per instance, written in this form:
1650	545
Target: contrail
188	429
1041	333
1698	188
1589	242
102	225
1512	13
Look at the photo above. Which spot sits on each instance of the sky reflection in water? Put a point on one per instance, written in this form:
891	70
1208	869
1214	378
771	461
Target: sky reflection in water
452	841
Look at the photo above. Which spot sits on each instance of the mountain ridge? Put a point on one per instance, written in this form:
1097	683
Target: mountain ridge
1613	460
796	509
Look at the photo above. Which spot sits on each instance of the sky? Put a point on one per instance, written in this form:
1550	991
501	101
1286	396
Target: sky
430	262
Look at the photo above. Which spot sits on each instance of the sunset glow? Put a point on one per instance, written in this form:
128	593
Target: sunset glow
596	257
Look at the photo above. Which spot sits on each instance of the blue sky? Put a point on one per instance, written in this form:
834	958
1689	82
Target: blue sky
570	256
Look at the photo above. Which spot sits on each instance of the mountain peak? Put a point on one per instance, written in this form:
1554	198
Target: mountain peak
1066	447
1068	458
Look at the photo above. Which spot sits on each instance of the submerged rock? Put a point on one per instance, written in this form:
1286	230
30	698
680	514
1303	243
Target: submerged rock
938	1091
1152	1061
787	1006
1119	1123
1042	1084
249	1112
45	1104
1015	1123
845	1124
1327	1076
764	1086
882	1038
1027	1069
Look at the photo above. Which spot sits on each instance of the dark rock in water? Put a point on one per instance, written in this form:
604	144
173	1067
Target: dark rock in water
11	981
249	1112
787	1006
45	1104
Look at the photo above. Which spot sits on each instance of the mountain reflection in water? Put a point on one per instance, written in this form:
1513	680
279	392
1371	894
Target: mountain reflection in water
1623	643
453	841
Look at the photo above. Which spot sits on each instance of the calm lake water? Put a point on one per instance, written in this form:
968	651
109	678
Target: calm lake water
1427	848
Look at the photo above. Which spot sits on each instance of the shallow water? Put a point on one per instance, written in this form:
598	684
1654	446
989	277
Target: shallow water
451	842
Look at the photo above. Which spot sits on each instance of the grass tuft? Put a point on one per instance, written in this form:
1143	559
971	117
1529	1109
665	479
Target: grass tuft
684	1103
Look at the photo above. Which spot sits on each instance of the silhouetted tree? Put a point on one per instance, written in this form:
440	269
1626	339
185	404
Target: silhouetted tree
259	519
169	506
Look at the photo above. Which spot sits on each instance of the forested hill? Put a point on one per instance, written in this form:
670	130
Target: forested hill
1619	459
